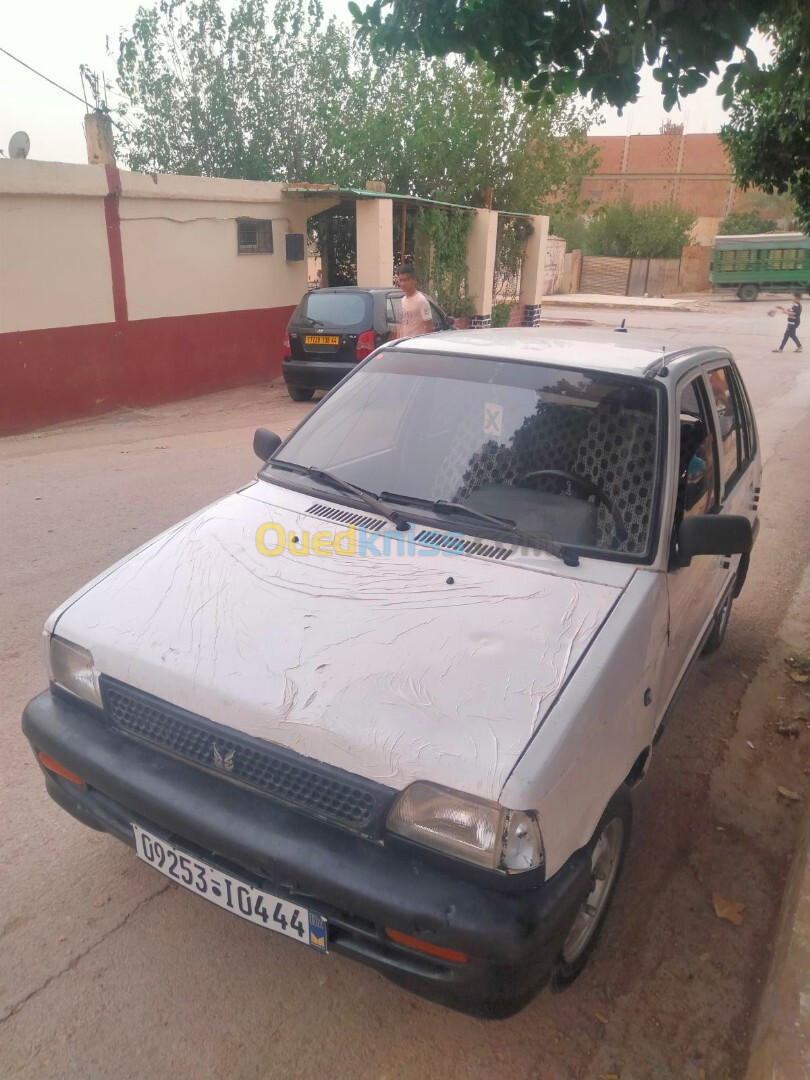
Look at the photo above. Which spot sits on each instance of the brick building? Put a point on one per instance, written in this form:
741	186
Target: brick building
691	171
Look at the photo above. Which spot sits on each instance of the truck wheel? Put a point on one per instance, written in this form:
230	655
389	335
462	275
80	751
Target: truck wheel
607	849
748	292
715	638
300	393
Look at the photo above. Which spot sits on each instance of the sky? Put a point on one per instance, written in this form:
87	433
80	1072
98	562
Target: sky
56	37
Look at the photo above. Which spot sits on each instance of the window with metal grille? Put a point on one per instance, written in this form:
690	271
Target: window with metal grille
254	237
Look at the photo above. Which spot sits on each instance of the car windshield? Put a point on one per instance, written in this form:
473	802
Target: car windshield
566	455
336	308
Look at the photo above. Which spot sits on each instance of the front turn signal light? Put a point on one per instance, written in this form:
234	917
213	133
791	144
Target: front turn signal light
428	947
52	765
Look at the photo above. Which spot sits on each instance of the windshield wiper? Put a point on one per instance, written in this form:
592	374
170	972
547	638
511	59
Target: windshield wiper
310	321
470	511
443	506
568	554
368	497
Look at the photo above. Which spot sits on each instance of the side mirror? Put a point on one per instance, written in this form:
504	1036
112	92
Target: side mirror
265	443
714	534
449	323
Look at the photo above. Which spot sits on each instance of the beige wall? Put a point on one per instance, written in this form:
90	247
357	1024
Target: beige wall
375	242
180	251
481	244
179	240
182	259
54	260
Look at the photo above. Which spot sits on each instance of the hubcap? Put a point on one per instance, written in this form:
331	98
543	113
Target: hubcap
604	867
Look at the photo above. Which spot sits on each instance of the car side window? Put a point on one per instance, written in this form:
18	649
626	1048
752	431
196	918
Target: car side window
436	315
697	466
726	401
746	415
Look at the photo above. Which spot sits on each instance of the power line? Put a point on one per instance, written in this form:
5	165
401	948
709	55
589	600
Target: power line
45	77
58	86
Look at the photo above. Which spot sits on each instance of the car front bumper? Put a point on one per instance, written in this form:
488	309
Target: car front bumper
512	937
316	374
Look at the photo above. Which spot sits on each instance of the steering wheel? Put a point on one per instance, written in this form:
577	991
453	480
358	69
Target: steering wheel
591	488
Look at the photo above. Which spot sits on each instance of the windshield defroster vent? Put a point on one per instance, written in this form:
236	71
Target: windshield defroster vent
346	517
457	543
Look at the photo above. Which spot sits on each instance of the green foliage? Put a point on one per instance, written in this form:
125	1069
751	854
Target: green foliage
278	92
556	47
510	251
500	314
441	258
748	221
768	134
659	231
571	226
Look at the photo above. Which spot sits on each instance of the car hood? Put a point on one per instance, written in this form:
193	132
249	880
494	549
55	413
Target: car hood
411	665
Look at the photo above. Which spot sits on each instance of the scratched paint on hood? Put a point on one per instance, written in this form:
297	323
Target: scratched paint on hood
373	664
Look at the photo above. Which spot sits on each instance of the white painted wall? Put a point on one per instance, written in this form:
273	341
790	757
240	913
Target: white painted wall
481	246
54	258
375	242
179	240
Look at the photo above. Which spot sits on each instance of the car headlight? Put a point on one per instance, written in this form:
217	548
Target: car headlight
467	827
71	668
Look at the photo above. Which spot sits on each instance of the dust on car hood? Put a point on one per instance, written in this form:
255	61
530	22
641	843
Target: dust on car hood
376	665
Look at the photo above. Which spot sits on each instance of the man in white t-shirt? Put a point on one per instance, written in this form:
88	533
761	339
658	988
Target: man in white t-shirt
414	310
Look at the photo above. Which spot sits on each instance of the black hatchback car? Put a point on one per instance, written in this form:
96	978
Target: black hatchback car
332	329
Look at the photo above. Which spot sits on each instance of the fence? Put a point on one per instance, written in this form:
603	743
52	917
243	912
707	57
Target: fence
645	277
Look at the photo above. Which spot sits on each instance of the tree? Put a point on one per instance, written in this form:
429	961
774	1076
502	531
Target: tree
748	221
768	134
287	94
595	46
599	46
642	232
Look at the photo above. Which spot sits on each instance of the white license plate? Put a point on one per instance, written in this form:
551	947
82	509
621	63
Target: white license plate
229	892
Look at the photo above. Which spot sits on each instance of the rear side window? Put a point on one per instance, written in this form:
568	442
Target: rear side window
736	427
697	493
349	309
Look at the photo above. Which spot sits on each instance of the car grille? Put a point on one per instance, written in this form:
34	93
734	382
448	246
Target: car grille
319	790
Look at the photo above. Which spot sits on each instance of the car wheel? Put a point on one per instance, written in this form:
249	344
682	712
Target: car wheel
748	292
715	638
607	850
300	393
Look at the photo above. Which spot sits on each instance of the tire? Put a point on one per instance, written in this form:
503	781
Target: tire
300	393
748	292
715	638
612	834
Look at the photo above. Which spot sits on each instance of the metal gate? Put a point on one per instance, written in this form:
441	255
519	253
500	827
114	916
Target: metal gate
605	275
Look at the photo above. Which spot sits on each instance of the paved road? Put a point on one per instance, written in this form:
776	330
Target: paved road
107	971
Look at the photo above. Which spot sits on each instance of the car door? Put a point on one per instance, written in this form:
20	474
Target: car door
694	591
741	471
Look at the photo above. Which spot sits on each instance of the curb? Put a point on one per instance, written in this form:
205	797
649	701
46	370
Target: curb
780	1049
618	305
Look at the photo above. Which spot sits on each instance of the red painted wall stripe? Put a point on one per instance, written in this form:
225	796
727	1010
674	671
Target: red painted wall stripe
113	220
69	372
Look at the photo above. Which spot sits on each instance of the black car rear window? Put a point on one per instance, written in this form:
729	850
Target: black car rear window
326	308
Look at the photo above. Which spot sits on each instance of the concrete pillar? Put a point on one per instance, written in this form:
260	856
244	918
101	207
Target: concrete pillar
99	138
375	242
481	245
534	271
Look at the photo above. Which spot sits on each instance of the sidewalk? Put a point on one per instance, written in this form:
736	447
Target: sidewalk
690	302
781	1044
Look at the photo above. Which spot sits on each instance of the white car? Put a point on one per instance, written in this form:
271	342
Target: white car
390	698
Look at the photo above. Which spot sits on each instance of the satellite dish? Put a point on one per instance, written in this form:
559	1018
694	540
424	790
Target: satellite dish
19	145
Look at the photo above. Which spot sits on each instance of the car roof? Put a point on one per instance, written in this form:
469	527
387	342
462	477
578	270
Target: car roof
359	288
598	349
